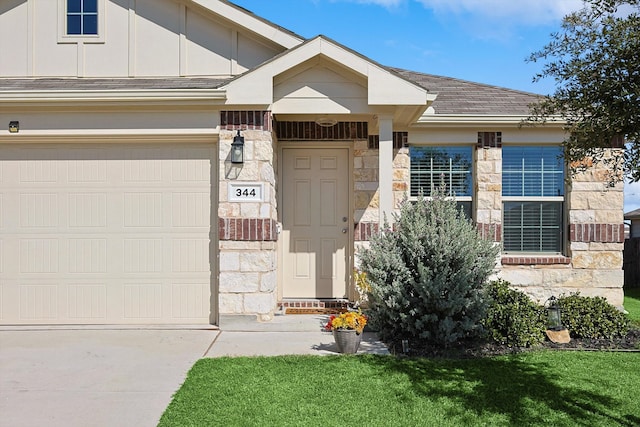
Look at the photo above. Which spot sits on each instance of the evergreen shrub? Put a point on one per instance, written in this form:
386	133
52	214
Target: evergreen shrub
513	319
592	317
428	274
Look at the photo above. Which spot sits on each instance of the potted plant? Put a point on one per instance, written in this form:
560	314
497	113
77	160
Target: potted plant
347	330
363	287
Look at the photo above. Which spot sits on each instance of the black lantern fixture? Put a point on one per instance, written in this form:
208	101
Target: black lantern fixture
237	149
554	314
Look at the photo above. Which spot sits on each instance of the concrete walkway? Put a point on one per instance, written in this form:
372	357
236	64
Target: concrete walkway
289	334
127	377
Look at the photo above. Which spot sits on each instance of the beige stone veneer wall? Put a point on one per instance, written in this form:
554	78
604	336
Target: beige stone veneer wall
595	239
366	192
592	263
247	230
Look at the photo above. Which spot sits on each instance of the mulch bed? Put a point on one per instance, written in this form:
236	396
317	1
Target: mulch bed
467	350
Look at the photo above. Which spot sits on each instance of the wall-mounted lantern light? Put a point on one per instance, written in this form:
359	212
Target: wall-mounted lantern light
237	149
14	126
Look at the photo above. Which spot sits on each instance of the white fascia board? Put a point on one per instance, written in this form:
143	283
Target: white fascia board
184	97
251	23
473	120
256	87
387	89
384	88
109	136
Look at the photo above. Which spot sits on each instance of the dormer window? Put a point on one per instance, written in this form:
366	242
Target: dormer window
82	17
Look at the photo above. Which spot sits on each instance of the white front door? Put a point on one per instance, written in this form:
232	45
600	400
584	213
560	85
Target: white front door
315	222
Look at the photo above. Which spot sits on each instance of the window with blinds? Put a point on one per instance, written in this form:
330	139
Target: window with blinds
532	171
446	168
533	197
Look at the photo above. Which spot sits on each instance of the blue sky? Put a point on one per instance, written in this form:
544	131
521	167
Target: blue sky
485	41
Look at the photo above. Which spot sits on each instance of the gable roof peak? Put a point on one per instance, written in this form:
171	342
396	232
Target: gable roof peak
251	22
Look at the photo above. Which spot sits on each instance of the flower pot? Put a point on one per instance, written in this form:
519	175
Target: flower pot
347	340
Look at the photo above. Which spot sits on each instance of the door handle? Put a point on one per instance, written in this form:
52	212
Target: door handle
344	231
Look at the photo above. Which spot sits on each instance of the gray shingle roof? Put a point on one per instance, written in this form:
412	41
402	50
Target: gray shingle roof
633	214
463	97
454	96
38	84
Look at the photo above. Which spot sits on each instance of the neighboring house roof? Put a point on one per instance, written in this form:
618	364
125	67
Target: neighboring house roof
632	215
46	84
463	97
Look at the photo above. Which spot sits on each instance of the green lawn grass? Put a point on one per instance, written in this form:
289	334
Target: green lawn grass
532	388
632	304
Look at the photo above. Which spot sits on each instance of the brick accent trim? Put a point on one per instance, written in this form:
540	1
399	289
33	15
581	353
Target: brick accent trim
364	231
400	140
535	260
247	229
489	140
600	233
490	231
314	303
617	141
246	120
311	131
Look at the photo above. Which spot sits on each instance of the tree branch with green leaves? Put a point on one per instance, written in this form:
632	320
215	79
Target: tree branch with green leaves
595	61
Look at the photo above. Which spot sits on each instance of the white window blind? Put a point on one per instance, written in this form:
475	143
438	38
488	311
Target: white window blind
447	168
533	196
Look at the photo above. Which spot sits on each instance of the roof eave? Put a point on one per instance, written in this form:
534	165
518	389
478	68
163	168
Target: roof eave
462	120
102	98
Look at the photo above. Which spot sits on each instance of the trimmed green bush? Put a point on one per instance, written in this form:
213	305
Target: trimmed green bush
513	319
592	317
428	276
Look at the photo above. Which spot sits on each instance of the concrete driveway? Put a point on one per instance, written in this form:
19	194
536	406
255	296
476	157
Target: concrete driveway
94	377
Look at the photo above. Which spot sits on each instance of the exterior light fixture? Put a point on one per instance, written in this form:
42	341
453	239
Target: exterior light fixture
326	122
14	126
237	149
554	314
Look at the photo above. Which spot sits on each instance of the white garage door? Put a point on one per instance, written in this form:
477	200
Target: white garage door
117	234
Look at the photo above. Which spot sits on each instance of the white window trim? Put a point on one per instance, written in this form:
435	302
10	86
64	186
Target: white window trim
533	199
63	37
563	243
561	199
454	197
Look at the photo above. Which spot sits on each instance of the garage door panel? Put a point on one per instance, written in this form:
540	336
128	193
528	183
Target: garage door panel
87	302
86	210
142	302
143	209
143	255
39	255
189	298
113	235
